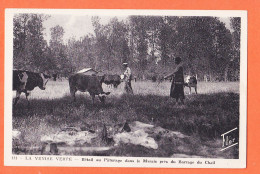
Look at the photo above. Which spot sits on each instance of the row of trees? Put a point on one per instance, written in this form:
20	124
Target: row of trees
148	43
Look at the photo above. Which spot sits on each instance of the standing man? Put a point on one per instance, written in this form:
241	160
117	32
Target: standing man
177	87
127	79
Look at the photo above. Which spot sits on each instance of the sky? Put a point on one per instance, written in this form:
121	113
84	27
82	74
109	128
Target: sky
74	26
78	26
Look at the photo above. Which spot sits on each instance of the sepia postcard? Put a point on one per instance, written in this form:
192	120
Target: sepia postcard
125	88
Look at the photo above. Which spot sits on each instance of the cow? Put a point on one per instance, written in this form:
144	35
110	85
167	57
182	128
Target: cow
24	81
191	81
87	83
114	80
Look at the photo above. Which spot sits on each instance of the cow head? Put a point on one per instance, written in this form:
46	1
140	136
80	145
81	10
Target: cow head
187	79
44	80
102	96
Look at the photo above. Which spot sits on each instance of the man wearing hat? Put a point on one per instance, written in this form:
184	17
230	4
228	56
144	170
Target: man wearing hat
127	79
177	88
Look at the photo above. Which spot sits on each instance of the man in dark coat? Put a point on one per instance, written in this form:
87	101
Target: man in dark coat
177	87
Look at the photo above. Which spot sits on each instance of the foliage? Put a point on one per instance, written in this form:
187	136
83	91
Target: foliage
148	43
29	44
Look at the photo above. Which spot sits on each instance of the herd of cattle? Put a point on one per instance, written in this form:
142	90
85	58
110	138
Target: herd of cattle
24	81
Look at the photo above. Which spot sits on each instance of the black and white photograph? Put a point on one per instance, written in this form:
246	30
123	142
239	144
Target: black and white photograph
125	88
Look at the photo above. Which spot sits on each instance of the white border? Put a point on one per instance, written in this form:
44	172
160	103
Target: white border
219	163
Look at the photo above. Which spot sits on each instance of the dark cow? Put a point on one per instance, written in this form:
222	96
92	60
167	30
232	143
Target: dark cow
191	81
89	83
24	81
114	80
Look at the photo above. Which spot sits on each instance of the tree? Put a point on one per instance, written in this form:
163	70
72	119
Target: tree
148	43
111	43
204	44
140	42
29	44
59	58
236	35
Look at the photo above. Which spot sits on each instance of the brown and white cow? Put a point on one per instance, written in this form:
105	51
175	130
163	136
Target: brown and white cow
24	81
87	83
191	81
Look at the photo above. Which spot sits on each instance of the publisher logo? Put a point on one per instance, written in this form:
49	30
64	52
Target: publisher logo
230	139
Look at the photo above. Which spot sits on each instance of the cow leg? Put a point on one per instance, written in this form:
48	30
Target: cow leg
102	99
27	94
196	89
93	98
18	94
72	93
190	89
